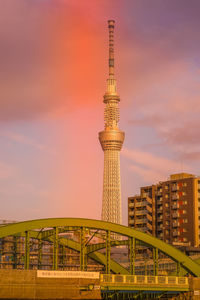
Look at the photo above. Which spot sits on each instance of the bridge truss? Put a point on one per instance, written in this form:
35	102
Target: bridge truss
45	244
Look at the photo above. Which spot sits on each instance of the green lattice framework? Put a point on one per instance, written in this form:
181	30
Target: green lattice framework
49	230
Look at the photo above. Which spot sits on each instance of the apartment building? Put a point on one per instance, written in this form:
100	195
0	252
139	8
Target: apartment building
169	210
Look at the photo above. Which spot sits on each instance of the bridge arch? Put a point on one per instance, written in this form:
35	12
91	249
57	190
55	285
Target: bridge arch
55	224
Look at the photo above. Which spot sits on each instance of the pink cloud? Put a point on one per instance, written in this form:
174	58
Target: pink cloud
150	160
152	167
149	176
6	170
19	138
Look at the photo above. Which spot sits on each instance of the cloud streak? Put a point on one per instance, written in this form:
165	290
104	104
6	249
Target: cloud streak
22	139
151	167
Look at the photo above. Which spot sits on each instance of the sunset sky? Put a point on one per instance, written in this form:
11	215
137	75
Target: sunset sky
53	71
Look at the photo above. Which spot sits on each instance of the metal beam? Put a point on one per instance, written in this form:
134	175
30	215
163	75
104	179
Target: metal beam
132	255
82	249
15	251
178	268
39	252
98	257
175	254
155	261
55	249
107	252
27	250
98	246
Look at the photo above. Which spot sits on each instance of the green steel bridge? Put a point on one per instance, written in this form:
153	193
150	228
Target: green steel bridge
94	240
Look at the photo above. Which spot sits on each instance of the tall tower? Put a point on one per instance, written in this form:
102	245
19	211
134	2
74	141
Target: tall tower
111	140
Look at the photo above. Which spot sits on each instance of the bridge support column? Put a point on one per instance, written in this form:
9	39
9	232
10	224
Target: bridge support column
155	260
27	250
63	257
55	248
178	268
132	255
108	252
39	253
15	252
82	249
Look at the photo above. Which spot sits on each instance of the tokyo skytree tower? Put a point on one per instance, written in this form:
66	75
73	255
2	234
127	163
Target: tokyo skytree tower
111	140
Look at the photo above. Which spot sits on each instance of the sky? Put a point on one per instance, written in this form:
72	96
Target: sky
53	71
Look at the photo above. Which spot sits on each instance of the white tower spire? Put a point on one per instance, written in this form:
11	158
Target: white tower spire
111	140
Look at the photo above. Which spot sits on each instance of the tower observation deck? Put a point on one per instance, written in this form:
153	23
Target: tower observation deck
111	140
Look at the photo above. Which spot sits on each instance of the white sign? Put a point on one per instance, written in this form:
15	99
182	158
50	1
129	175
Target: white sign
196	293
67	274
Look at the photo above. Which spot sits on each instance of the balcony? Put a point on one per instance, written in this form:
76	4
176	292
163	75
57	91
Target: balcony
131	213
141	221
143	229
145	194
149	209
160	235
159	193
160	209
142	203
175	206
175	196
149	226
175	187
160	218
176	233
149	201
175	215
149	218
175	224
159	201
140	212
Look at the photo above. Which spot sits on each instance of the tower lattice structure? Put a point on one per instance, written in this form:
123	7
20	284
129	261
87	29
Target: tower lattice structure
111	140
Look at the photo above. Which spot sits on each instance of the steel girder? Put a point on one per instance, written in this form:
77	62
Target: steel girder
97	256
186	262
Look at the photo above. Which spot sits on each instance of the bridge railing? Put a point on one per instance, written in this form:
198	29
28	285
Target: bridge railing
144	280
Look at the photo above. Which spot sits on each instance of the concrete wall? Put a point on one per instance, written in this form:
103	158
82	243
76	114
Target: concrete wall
22	284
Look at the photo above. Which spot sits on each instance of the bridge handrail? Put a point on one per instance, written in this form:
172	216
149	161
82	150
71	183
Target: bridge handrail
144	280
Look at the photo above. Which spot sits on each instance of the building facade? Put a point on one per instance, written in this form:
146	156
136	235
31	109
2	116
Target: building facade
169	210
111	140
